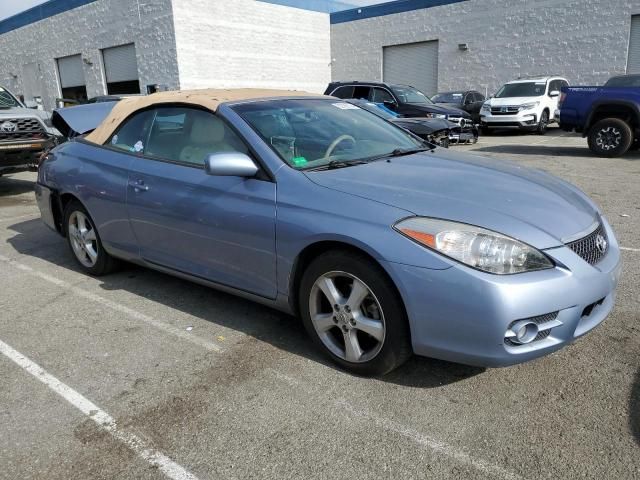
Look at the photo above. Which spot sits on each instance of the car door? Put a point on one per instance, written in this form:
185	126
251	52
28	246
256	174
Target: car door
218	228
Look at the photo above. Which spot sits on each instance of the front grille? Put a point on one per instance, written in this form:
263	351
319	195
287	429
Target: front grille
508	110
544	331
592	247
458	120
25	129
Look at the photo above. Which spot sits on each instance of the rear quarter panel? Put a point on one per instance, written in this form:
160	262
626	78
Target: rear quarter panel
98	178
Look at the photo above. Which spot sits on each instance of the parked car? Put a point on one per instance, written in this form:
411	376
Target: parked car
437	131
402	99
470	101
609	116
528	104
25	133
384	246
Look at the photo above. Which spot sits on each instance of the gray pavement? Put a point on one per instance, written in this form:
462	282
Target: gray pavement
242	394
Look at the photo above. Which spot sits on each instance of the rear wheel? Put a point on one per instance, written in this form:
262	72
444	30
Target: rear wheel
84	241
610	137
354	314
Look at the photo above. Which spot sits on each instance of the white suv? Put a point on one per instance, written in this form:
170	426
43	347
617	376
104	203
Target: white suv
528	104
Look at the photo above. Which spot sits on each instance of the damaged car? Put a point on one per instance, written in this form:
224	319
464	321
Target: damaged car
383	245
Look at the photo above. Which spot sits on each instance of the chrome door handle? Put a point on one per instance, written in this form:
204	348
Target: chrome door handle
138	186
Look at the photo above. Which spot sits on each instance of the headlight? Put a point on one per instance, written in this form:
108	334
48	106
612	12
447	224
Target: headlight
47	122
474	246
486	106
440	115
528	106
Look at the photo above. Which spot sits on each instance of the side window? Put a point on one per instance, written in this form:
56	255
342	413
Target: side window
343	92
380	95
132	134
361	92
554	85
189	135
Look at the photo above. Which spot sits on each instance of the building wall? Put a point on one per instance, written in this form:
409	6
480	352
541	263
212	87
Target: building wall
584	40
245	43
86	30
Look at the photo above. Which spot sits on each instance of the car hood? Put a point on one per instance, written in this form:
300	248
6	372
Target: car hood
424	125
500	102
447	110
526	204
20	112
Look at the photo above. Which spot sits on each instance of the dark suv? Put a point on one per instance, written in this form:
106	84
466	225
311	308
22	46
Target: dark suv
402	99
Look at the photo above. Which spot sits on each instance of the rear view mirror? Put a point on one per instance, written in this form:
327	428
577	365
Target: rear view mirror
230	164
554	93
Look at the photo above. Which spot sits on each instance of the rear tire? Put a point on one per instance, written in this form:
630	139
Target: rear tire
610	137
84	241
365	310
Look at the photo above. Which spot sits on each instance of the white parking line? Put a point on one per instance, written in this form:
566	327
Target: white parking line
209	345
630	249
100	417
417	437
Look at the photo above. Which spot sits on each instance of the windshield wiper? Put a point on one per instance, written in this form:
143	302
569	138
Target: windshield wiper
333	164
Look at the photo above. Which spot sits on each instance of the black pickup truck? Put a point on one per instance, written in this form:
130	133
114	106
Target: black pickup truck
609	116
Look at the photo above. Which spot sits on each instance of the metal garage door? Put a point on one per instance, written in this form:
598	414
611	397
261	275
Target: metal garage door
70	71
633	62
414	64
120	67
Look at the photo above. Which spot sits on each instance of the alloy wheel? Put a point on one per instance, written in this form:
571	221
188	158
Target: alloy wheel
347	317
608	138
83	239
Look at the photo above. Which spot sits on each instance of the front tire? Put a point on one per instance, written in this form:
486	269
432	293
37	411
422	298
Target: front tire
543	123
610	137
84	241
354	314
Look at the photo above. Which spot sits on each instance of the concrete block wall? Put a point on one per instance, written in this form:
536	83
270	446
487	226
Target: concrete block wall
87	30
245	43
584	40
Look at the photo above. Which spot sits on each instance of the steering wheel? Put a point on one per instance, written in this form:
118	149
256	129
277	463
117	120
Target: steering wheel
336	142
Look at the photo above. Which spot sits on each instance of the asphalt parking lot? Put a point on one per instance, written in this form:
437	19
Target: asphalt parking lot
141	375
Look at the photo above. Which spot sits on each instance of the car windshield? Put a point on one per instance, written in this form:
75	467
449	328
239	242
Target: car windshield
312	133
624	81
7	100
410	95
522	89
450	97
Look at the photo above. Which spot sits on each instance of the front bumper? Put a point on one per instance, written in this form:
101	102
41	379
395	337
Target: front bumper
460	314
529	120
22	156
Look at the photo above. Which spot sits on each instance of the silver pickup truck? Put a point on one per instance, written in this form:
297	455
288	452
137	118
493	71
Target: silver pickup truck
25	134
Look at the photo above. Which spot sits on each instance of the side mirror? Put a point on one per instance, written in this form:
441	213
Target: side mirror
554	93
390	104
230	164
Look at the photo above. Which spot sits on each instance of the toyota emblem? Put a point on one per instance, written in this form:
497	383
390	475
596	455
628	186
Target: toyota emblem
601	243
8	127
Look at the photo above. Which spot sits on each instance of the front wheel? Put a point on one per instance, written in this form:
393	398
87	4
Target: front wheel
354	314
543	123
84	241
610	137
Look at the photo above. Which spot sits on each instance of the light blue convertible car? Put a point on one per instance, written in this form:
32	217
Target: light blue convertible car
383	244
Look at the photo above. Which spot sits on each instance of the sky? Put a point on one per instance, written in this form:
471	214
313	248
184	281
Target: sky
11	7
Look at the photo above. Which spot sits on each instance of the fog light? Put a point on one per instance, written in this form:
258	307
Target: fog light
523	332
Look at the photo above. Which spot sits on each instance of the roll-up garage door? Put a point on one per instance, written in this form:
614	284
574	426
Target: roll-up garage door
414	64
72	83
633	62
121	69
70	70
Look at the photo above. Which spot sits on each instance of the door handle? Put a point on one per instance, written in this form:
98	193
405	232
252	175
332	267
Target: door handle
138	186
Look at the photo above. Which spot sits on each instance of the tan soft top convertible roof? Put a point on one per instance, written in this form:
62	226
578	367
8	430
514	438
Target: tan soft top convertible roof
208	98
